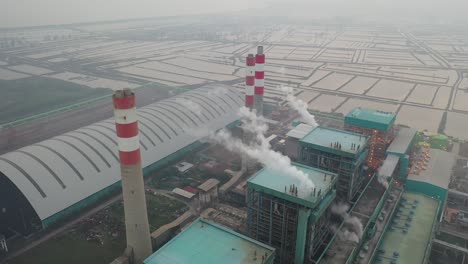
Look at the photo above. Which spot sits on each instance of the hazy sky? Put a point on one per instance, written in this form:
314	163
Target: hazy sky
43	12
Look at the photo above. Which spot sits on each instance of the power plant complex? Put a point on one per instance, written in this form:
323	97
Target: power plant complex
356	193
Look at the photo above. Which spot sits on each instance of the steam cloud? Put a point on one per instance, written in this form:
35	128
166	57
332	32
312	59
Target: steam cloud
353	229
191	105
383	181
300	106
260	150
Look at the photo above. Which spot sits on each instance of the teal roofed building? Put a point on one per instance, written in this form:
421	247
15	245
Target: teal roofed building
370	118
337	151
284	214
204	242
378	126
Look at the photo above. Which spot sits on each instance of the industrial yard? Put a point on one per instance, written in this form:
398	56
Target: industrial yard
369	167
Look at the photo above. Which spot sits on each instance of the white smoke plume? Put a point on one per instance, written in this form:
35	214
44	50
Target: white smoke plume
340	209
352	230
191	105
383	181
300	106
261	151
218	91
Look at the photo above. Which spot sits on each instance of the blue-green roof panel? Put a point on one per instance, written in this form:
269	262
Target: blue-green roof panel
204	242
370	118
274	182
324	139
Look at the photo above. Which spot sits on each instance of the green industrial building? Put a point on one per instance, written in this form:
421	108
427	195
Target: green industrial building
288	214
208	243
378	126
337	151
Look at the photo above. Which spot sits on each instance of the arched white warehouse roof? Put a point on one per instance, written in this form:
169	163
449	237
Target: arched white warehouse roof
61	171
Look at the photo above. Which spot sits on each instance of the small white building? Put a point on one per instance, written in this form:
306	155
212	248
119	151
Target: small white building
183	166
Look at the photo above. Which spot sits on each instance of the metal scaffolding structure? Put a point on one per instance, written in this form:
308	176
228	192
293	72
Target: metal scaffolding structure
350	170
290	215
285	226
378	143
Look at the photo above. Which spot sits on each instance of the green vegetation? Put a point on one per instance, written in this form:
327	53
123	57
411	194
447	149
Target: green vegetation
169	178
30	96
161	210
100	238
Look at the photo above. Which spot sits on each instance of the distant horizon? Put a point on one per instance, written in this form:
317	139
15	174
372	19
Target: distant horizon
32	13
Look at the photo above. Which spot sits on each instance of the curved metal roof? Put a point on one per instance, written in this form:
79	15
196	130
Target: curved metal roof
61	171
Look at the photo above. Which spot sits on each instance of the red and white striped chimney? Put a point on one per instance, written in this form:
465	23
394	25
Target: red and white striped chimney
136	215
259	80
249	81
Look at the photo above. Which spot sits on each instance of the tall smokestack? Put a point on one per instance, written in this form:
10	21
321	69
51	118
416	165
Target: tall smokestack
249	81
136	216
259	80
247	164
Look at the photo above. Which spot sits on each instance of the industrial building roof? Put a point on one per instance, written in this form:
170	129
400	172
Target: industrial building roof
183	193
412	246
388	166
208	184
59	172
370	118
299	131
275	182
204	242
324	139
402	142
438	169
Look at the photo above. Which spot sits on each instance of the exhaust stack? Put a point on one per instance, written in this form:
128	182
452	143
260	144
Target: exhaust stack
249	81
259	80
136	215
247	164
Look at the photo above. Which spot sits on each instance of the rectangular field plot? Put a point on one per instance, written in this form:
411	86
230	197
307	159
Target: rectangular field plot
390	89
442	97
422	94
461	100
24	68
93	82
11	75
317	76
333	81
353	103
456	125
419	118
307	96
463	84
202	65
163	76
359	85
288	71
164	67
298	64
326	103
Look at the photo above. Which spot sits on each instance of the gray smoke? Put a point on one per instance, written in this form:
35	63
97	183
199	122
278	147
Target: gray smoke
352	230
383	181
300	106
260	150
340	209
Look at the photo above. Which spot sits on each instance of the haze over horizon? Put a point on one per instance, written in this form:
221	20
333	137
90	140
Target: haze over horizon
50	12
